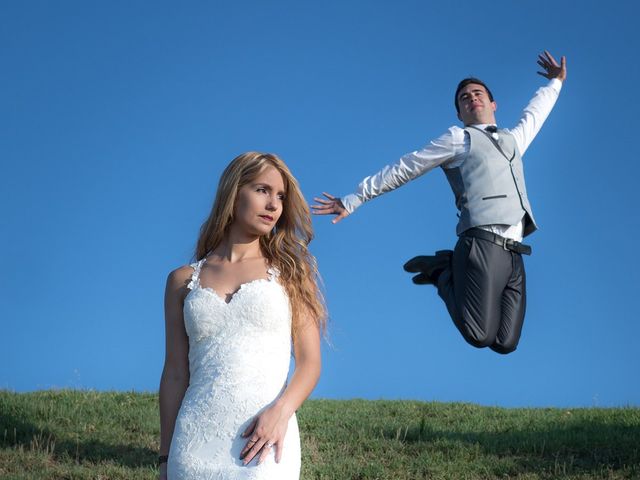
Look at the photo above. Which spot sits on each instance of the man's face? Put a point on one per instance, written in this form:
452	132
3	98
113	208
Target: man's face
475	105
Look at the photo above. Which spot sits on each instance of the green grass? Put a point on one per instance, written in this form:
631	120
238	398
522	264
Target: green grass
69	434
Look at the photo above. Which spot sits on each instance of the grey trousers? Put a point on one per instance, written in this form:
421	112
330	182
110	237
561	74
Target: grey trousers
485	292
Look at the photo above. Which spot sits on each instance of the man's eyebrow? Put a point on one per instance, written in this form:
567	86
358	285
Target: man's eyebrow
471	91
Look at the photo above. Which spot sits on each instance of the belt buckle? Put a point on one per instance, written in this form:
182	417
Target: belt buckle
504	243
508	244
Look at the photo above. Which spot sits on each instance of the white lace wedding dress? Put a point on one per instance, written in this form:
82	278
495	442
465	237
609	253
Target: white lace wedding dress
239	354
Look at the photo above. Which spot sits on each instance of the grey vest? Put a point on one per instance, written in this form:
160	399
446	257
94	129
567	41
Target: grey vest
489	184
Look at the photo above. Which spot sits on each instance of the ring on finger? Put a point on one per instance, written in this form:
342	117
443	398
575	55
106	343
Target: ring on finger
269	444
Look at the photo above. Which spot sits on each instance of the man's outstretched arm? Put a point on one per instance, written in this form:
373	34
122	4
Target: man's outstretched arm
539	107
407	168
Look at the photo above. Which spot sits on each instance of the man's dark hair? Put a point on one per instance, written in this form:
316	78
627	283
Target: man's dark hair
463	83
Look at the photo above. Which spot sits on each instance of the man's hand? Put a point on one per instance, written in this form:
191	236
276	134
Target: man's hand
551	67
330	206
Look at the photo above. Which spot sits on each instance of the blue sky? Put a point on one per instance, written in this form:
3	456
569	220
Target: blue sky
118	118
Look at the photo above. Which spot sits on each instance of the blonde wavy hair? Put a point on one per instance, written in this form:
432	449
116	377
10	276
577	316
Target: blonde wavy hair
285	247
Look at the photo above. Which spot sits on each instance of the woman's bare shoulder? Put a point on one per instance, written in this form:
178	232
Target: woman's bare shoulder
178	278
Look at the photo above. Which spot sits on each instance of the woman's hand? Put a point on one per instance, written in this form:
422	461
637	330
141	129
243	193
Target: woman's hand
266	431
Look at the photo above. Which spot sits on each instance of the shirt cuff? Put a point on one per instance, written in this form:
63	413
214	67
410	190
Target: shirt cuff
351	202
555	84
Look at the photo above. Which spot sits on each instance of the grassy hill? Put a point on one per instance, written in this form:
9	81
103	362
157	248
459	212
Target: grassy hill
94	435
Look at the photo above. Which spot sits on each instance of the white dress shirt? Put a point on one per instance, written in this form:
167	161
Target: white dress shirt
449	151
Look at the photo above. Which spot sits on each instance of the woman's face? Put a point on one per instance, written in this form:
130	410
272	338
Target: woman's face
260	202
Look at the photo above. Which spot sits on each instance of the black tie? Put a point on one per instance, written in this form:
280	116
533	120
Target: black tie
491	129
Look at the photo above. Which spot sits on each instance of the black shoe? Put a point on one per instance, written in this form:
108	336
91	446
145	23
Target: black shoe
429	266
427	263
423	279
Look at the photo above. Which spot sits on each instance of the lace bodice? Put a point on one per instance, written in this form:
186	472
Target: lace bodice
239	355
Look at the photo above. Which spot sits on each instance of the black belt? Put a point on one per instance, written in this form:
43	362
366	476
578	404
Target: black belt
505	243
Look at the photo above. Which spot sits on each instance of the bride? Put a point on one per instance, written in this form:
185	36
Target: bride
231	318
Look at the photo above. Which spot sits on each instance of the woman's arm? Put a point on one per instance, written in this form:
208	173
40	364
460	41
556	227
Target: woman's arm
175	374
270	427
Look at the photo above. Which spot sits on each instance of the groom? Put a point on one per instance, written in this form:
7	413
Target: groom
482	281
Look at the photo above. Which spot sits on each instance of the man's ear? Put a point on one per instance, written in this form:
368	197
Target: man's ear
494	105
459	117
